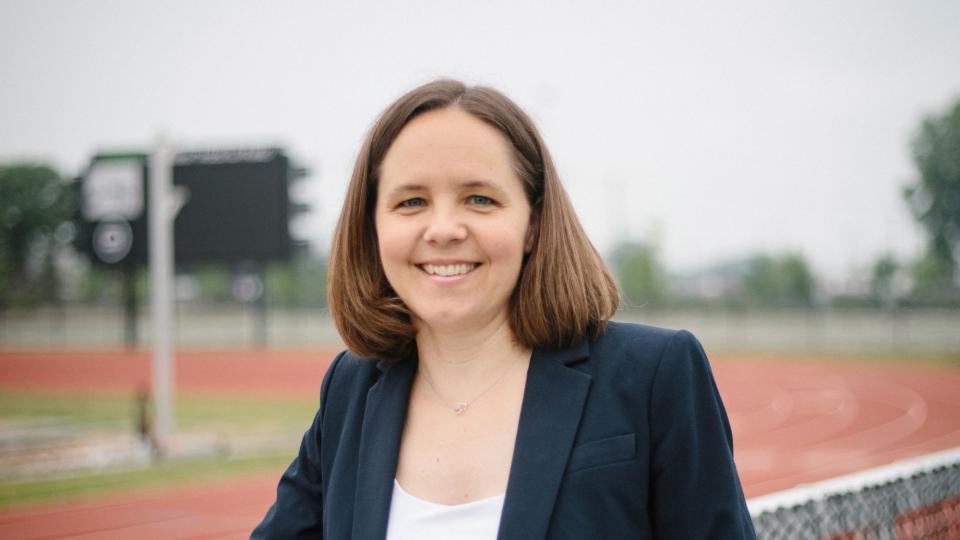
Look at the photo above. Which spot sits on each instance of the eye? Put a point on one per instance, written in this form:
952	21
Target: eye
415	202
479	200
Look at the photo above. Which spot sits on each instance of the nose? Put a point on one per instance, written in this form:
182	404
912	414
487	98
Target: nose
444	228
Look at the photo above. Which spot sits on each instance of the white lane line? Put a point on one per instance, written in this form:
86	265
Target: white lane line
913	416
820	407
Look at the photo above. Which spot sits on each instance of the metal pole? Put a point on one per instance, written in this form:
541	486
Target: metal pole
130	311
161	213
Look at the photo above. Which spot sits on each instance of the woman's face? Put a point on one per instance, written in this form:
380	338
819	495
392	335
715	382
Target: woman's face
452	220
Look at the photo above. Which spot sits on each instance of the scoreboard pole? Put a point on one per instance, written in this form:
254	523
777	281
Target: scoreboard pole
161	211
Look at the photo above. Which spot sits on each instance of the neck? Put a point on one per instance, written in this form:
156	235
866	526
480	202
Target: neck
459	362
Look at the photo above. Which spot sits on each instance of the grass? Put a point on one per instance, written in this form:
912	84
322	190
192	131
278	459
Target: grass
14	494
115	413
194	412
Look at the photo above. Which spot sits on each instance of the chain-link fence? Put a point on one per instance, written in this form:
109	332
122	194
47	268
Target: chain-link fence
919	498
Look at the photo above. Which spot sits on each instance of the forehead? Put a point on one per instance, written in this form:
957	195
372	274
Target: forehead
447	144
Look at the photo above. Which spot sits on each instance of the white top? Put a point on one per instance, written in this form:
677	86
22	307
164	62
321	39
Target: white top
412	518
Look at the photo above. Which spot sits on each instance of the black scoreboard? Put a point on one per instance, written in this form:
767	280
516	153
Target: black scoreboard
237	207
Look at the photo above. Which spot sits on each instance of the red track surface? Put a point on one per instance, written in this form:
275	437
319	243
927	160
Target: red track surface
794	422
247	371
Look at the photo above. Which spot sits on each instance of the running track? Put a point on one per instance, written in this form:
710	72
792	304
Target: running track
794	422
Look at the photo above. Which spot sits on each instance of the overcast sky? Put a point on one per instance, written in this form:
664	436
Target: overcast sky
715	129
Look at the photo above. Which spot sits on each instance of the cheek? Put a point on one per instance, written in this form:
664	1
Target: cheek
392	246
507	246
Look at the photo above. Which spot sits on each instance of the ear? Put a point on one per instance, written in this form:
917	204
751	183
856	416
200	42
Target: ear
533	229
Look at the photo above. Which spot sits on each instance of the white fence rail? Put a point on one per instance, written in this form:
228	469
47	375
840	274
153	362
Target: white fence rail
923	331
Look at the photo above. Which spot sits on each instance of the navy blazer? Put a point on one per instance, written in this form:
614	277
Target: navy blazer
621	437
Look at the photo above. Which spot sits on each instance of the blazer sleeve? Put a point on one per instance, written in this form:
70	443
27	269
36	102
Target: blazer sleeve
695	489
298	509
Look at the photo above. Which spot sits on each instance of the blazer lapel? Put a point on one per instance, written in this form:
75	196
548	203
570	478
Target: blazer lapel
383	420
553	402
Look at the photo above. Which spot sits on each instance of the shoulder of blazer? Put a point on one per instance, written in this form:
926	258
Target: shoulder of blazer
349	371
639	344
639	356
345	387
637	333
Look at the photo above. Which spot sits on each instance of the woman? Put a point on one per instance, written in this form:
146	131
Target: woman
484	395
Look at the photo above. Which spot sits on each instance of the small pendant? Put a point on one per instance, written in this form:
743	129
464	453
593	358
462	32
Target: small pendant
460	408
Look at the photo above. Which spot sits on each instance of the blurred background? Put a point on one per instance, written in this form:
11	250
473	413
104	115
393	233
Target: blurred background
778	177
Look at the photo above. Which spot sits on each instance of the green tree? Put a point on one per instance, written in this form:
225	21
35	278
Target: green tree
929	274
298	283
779	281
642	276
935	197
36	208
214	283
882	279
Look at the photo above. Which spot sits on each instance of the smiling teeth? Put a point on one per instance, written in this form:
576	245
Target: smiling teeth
447	270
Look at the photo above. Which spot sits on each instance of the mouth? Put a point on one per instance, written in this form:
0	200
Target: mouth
448	270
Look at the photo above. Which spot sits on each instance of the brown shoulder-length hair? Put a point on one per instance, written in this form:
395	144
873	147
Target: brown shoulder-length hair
564	292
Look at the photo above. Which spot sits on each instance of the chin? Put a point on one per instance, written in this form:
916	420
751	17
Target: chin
451	318
444	319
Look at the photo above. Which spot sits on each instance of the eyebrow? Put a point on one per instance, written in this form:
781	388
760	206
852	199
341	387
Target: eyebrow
468	184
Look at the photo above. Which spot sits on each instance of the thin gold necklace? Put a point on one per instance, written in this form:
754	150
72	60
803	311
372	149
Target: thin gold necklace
461	407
